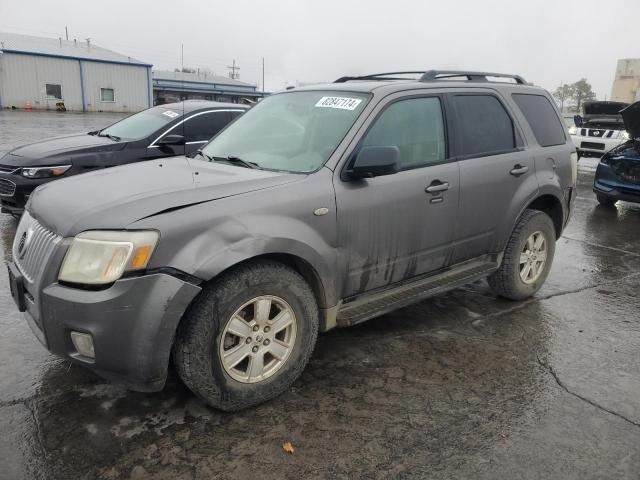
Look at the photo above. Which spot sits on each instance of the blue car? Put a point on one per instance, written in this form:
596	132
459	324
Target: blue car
618	173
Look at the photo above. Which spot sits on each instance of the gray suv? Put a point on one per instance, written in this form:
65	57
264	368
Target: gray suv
321	207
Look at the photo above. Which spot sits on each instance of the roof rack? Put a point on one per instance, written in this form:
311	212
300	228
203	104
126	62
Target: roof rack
438	75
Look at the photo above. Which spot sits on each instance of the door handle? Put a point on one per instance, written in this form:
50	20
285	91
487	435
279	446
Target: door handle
518	170
437	186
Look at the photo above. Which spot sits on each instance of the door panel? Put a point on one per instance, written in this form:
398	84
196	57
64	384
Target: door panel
490	198
391	229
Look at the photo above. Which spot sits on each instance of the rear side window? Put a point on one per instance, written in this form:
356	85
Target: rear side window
416	127
482	126
542	118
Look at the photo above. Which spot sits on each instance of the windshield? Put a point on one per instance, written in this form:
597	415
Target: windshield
141	125
293	131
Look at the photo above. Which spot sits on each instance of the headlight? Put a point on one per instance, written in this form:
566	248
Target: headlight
624	135
99	257
573	130
44	172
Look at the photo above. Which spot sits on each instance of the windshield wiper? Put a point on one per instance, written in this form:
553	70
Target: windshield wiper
115	138
234	161
93	132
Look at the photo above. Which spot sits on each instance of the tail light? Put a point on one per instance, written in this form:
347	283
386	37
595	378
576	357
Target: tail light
574	168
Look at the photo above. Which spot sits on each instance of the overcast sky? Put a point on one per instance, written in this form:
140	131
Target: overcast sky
309	41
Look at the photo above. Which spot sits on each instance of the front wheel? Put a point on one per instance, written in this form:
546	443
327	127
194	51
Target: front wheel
527	258
248	336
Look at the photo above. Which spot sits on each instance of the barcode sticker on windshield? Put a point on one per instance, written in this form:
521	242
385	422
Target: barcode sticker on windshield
343	103
171	114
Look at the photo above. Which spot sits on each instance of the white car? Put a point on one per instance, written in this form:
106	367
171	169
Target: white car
600	128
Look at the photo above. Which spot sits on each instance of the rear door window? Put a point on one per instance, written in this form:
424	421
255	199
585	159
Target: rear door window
482	126
542	118
201	128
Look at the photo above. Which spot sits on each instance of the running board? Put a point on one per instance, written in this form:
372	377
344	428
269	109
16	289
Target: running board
378	303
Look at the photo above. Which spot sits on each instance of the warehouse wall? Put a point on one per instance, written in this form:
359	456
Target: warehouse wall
130	85
23	77
626	86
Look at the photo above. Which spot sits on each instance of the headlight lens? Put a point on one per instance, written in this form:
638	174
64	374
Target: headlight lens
573	130
624	135
44	172
100	256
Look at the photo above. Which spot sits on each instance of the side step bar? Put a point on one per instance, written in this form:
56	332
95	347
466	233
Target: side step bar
378	303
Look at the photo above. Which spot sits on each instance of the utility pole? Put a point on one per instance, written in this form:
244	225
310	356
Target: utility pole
263	90
66	32
232	73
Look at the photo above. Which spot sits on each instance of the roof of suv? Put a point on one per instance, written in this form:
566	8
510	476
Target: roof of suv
430	79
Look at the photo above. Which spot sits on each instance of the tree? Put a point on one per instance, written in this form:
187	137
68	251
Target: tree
582	92
563	93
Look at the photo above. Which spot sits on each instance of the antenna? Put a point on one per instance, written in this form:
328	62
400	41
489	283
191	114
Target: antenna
184	146
263	89
232	73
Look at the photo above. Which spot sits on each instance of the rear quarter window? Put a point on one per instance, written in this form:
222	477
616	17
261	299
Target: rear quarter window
542	118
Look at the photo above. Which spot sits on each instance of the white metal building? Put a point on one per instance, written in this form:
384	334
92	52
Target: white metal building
51	73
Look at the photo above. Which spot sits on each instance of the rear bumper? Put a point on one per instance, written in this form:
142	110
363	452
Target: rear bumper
132	324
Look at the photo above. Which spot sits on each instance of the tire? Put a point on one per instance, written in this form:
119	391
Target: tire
197	352
605	200
507	280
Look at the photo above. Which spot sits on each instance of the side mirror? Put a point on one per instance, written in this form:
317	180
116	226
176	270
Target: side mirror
577	120
171	140
374	162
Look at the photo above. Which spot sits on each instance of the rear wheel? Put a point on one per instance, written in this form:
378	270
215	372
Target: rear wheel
248	336
605	200
527	258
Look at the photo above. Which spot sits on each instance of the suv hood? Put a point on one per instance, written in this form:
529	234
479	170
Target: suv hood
631	117
603	108
114	198
40	153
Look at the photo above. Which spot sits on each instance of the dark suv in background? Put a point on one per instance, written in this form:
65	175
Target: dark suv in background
320	207
167	130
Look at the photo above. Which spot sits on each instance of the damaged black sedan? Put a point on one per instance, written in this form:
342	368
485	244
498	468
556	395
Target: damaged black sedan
163	131
618	173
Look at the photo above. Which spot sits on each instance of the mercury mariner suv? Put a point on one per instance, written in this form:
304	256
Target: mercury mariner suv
320	207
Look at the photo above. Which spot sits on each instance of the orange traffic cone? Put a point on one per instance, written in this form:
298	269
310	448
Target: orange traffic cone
27	106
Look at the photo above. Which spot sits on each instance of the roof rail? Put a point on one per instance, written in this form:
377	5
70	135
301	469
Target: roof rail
380	76
436	75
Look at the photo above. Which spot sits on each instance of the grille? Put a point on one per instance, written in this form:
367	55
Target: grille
596	133
32	246
583	132
7	188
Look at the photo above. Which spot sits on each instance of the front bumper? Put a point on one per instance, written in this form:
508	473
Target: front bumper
132	324
617	192
13	199
594	145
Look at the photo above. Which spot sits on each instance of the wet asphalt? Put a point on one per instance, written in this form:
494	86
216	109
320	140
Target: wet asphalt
463	385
